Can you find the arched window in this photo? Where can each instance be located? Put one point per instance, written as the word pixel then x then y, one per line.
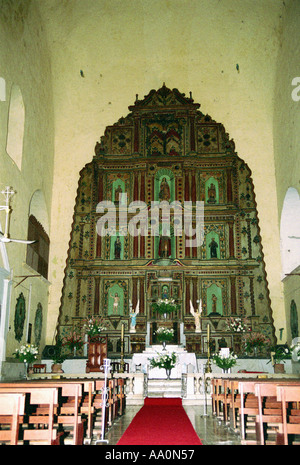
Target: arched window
pixel 38 226
pixel 290 231
pixel 16 122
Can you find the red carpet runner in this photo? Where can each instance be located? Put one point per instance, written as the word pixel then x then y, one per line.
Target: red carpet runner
pixel 161 421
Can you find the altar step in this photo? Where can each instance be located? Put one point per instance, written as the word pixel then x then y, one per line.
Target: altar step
pixel 164 388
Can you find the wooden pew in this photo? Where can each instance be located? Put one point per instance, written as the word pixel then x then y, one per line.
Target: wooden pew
pixel 12 407
pixel 112 400
pixel 287 394
pixel 68 389
pixel 121 396
pixel 30 431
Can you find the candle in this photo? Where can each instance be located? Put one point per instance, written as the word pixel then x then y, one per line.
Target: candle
pixel 208 328
pixel 122 332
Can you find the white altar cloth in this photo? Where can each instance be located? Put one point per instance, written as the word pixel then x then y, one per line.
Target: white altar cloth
pixel 186 362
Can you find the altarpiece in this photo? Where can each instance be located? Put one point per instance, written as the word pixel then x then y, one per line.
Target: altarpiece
pixel 166 150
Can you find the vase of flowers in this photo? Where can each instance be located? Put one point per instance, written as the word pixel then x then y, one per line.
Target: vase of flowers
pixel 164 335
pixel 164 306
pixel 27 354
pixel 167 362
pixel 225 361
pixel 73 341
pixel 255 342
pixel 238 325
pixel 93 327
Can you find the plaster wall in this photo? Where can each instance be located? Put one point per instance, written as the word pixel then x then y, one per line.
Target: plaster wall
pixel 24 62
pixel 286 123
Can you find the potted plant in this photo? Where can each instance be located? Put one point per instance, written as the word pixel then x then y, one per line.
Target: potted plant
pixel 27 354
pixel 279 354
pixel 164 361
pixel 224 360
pixel 58 357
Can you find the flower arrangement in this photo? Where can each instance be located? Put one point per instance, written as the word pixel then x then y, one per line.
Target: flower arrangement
pixel 93 326
pixel 238 325
pixel 279 354
pixel 27 353
pixel 255 340
pixel 164 334
pixel 73 340
pixel 164 306
pixel 224 360
pixel 164 361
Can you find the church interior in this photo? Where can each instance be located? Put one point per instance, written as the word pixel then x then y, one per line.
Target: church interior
pixel 154 193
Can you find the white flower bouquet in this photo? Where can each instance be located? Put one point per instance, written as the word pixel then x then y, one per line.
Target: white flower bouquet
pixel 164 334
pixel 27 353
pixel 238 325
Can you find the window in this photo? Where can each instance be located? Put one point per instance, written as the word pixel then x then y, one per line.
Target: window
pixel 38 253
pixel 16 124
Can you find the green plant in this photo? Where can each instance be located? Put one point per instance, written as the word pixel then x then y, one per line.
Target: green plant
pixel 224 361
pixel 164 361
pixel 279 354
pixel 58 352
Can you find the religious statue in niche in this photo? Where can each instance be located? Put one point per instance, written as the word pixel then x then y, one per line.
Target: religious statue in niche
pixel 211 194
pixel 164 192
pixel 117 248
pixel 213 248
pixel 165 292
pixel 118 192
pixel 164 248
pixel 116 303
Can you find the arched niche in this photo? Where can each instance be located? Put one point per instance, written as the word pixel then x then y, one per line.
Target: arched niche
pixel 115 292
pixel 214 300
pixel 38 209
pixel 212 245
pixel 164 184
pixel 290 232
pixel 16 124
pixel 117 248
pixel 212 191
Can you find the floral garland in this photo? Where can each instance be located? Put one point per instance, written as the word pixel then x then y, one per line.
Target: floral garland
pixel 164 306
pixel 93 326
pixel 164 361
pixel 164 334
pixel 224 361
pixel 238 325
pixel 27 353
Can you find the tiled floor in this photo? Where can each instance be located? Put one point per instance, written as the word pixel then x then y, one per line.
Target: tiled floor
pixel 210 430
